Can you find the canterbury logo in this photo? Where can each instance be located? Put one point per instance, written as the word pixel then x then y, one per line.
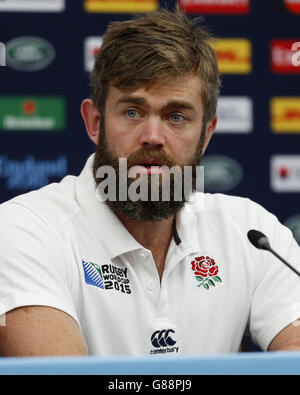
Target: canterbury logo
pixel 162 338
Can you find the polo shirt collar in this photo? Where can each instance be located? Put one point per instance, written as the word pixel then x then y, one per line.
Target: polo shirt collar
pixel 108 228
pixel 116 239
pixel 187 225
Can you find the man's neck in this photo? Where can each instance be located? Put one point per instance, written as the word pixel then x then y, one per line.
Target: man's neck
pixel 149 234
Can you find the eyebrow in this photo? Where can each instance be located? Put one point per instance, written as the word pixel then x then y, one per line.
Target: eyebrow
pixel 132 100
pixel 169 106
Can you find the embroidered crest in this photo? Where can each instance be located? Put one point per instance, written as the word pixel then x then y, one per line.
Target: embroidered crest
pixel 206 270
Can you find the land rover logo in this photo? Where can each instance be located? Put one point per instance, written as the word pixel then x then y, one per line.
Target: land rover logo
pixel 294 224
pixel 29 53
pixel 221 173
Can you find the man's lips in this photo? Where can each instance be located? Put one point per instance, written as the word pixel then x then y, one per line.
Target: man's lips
pixel 147 166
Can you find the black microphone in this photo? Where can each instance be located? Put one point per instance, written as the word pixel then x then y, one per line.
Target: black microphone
pixel 260 241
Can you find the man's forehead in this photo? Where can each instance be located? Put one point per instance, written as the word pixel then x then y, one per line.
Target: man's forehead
pixel 182 89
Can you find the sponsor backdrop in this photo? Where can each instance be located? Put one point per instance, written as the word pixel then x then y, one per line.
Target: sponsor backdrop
pixel 47 49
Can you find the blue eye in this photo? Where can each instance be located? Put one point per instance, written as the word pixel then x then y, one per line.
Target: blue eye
pixel 132 113
pixel 177 118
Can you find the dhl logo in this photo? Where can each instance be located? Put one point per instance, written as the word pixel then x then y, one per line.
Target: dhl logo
pixel 285 114
pixel 234 55
pixel 119 6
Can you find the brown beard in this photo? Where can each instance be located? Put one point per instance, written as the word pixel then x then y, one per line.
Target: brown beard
pixel 146 210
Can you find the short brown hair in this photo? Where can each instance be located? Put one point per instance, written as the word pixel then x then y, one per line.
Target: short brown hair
pixel 157 46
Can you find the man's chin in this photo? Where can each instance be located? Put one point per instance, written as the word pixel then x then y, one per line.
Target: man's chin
pixel 148 211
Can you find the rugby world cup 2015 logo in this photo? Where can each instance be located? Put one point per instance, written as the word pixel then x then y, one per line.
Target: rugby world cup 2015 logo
pixel 108 277
pixel 93 274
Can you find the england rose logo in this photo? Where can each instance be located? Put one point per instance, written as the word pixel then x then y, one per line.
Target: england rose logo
pixel 205 270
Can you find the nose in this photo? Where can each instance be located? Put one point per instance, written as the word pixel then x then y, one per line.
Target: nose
pixel 152 133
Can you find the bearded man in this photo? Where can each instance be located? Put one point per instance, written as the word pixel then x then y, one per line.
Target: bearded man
pixel 84 271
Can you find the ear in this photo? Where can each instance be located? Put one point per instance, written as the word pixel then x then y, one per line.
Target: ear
pixel 210 128
pixel 91 117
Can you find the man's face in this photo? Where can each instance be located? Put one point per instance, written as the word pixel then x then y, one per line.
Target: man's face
pixel 160 126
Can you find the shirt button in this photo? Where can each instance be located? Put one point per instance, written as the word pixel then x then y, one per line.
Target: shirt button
pixel 150 285
pixel 142 255
pixel 181 247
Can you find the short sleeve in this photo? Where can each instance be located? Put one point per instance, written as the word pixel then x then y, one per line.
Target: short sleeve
pixel 276 297
pixel 32 266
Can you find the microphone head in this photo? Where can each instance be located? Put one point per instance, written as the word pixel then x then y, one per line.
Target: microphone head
pixel 259 240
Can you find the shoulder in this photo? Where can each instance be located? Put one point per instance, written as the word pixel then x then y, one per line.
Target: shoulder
pixel 51 206
pixel 240 213
pixel 233 206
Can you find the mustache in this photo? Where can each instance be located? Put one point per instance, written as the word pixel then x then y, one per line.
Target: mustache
pixel 158 157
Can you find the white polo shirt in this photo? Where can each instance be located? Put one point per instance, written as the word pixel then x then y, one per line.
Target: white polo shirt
pixel 62 247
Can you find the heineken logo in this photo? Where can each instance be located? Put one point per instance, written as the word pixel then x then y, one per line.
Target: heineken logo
pixel 32 113
pixel 29 53
pixel 29 107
